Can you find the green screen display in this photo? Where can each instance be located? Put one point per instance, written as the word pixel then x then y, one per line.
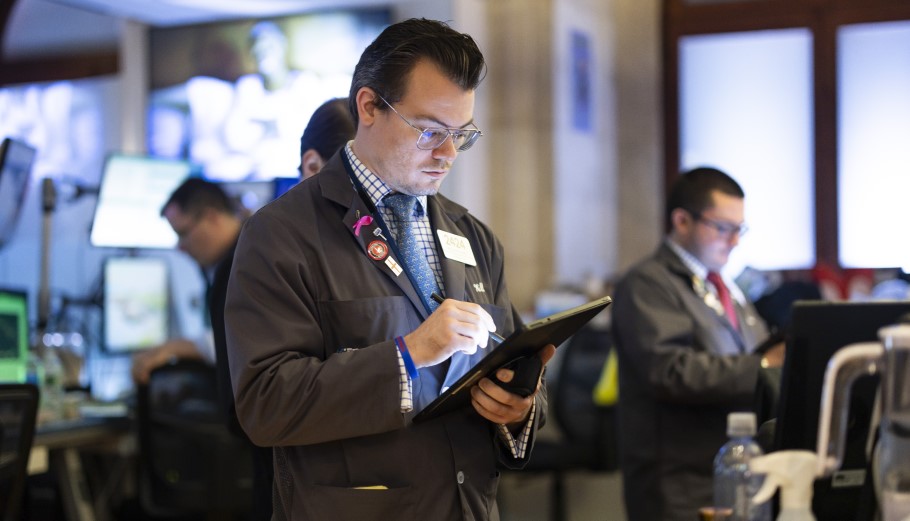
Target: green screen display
pixel 13 336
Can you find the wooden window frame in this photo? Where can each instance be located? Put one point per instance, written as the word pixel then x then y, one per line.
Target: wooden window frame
pixel 822 18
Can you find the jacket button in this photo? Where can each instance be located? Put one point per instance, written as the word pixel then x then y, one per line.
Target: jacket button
pixel 460 477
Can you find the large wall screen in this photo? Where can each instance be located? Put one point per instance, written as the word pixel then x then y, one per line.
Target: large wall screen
pixel 234 97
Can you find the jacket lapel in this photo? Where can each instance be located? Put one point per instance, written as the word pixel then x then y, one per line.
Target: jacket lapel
pixel 677 267
pixel 443 216
pixel 374 242
pixel 453 272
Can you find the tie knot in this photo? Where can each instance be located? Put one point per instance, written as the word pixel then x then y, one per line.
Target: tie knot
pixel 715 278
pixel 402 206
pixel 723 295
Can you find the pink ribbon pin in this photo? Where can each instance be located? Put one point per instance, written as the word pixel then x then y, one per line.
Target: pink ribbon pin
pixel 366 220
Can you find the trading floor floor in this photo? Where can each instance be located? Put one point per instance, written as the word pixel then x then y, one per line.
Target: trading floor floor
pixel 588 496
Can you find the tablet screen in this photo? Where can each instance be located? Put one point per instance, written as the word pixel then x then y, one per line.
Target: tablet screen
pixel 527 340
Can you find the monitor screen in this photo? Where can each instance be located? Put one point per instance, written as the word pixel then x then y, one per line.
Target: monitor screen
pixel 235 96
pixel 283 184
pixel 133 190
pixel 13 335
pixel 817 330
pixel 249 196
pixel 15 169
pixel 136 303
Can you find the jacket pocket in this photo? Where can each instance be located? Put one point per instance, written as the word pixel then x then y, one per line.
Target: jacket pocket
pixel 352 324
pixel 353 504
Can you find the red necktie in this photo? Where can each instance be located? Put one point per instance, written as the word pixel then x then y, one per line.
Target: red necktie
pixel 723 294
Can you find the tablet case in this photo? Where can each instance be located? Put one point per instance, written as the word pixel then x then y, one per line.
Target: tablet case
pixel 525 341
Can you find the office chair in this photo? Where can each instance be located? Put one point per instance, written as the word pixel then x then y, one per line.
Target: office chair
pixel 190 464
pixel 588 432
pixel 18 413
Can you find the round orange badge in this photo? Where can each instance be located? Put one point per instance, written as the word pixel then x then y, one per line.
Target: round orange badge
pixel 378 250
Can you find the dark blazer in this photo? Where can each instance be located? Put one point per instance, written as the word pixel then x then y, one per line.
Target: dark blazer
pixel 261 508
pixel 682 369
pixel 217 293
pixel 310 322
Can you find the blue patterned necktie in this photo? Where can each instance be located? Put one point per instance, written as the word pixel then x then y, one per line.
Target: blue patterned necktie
pixel 414 258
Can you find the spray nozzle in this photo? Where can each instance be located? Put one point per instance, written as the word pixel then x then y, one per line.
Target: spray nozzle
pixel 791 470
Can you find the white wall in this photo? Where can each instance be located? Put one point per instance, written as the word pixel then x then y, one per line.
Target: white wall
pixel 433 9
pixel 636 81
pixel 469 182
pixel 584 160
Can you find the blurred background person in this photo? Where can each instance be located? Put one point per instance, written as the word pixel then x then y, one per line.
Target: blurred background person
pixel 331 126
pixel 204 219
pixel 686 342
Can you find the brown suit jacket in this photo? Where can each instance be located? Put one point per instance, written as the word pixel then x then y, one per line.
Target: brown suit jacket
pixel 310 322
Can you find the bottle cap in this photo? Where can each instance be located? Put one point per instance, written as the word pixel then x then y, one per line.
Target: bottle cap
pixel 740 424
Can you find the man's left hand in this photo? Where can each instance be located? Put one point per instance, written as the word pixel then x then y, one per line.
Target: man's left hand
pixel 499 405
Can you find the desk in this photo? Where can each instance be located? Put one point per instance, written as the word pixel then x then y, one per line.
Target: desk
pixel 57 448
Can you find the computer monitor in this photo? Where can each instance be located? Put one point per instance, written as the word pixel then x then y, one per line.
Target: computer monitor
pixel 283 184
pixel 13 335
pixel 817 330
pixel 133 190
pixel 249 196
pixel 136 303
pixel 16 159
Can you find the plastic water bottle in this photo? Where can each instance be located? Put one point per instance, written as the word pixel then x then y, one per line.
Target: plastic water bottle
pixel 734 483
pixel 52 392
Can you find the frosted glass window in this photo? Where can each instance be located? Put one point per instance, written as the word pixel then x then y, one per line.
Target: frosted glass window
pixel 874 144
pixel 746 108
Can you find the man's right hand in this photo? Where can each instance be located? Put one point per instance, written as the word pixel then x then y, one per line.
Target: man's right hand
pixel 774 357
pixel 144 362
pixel 454 326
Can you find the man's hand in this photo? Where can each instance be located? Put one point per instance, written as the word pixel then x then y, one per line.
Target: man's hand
pixel 144 362
pixel 500 406
pixel 454 326
pixel 774 357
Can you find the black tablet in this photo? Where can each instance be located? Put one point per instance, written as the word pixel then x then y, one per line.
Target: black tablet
pixel 526 340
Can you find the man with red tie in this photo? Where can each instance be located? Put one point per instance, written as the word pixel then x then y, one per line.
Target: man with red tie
pixel 685 340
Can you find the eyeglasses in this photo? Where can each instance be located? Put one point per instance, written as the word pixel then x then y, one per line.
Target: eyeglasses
pixel 185 231
pixel 433 137
pixel 725 229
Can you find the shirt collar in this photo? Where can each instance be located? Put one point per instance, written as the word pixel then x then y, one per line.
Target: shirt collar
pixel 375 187
pixel 694 265
pixel 699 270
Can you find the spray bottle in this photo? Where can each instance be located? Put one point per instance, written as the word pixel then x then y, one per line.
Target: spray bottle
pixel 794 472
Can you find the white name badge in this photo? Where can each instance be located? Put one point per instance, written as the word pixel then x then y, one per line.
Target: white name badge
pixel 393 265
pixel 456 247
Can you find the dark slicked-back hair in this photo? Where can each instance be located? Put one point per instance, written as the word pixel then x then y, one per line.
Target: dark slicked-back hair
pixel 692 191
pixel 330 127
pixel 386 63
pixel 196 195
